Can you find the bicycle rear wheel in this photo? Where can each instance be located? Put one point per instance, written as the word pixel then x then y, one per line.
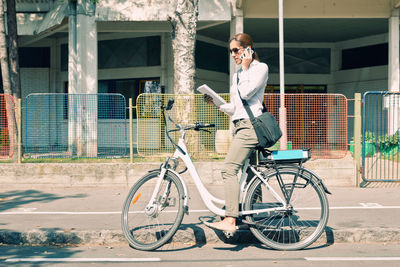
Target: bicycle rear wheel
pixel 147 226
pixel 297 226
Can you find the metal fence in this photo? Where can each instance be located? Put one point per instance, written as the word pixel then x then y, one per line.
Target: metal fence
pixel 7 126
pixel 74 126
pixel 95 126
pixel 381 136
pixel 151 138
pixel 317 121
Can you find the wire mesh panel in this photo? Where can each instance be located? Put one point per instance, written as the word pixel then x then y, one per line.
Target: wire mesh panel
pixel 75 125
pixel 7 126
pixel 381 136
pixel 316 121
pixel 151 137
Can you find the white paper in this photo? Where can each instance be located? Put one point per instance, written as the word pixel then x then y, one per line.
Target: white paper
pixel 204 89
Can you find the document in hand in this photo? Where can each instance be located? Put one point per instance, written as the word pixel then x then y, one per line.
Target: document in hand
pixel 204 89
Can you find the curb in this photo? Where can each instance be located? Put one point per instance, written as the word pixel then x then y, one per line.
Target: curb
pixel 192 234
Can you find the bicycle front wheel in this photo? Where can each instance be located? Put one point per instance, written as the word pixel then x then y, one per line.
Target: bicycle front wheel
pixel 300 223
pixel 149 225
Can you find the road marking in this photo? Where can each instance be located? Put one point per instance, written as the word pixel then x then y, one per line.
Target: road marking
pixel 78 212
pixel 352 258
pixel 370 205
pixel 364 207
pixel 83 260
pixel 190 211
pixel 60 213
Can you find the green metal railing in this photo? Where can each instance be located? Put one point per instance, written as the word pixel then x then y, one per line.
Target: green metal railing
pixel 381 136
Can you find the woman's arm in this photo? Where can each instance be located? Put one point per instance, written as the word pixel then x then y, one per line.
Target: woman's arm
pixel 227 108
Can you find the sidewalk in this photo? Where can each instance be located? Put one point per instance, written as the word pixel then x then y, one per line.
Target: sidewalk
pixel 91 215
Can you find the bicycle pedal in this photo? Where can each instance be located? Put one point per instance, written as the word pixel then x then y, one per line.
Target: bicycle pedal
pixel 228 234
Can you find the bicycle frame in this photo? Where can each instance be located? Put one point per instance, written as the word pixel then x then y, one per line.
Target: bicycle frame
pixel 208 199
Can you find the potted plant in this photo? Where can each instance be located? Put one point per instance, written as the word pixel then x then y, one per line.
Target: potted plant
pixel 370 144
pixel 389 144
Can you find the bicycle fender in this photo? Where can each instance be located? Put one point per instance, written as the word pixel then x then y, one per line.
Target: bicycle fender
pixel 318 180
pixel 309 173
pixel 185 190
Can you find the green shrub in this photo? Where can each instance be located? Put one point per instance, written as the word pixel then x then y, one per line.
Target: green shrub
pixel 386 141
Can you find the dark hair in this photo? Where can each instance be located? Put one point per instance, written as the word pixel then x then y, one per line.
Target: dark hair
pixel 245 40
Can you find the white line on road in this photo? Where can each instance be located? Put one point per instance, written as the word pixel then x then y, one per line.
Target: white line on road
pixel 364 207
pixel 352 258
pixel 60 213
pixel 190 211
pixel 83 260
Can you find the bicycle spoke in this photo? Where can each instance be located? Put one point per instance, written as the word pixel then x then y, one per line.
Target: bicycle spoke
pixel 147 225
pixel 296 226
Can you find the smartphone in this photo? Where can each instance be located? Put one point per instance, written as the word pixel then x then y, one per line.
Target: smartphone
pixel 249 50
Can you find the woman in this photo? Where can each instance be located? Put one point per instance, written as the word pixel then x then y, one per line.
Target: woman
pixel 250 80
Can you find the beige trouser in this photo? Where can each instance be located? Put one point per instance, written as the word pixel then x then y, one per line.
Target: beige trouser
pixel 243 142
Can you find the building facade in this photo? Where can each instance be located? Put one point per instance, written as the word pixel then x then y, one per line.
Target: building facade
pixel 331 46
pixel 119 46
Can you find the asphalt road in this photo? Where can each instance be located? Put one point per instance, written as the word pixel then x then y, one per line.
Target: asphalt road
pixel 208 255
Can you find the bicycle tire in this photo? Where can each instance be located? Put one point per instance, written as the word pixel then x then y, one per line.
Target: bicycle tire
pixel 149 229
pixel 292 229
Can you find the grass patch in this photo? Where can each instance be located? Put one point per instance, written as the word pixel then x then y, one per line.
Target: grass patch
pixel 86 160
pixel 136 159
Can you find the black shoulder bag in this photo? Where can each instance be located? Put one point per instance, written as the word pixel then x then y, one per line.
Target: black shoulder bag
pixel 265 125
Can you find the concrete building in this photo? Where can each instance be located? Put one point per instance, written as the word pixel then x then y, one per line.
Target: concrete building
pixel 338 46
pixel 119 46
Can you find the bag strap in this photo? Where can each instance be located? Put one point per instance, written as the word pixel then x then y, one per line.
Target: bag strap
pixel 244 102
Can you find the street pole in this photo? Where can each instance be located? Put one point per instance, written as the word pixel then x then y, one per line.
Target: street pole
pixel 282 109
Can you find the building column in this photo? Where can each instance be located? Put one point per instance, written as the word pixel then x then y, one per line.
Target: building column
pixel 82 79
pixel 236 27
pixel 86 54
pixel 87 84
pixel 393 75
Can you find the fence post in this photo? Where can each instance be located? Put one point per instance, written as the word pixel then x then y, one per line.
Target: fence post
pixel 130 131
pixel 357 136
pixel 19 122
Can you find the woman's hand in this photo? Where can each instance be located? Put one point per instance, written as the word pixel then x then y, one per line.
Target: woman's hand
pixel 209 100
pixel 247 59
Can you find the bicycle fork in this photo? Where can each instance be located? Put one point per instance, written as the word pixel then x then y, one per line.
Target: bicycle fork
pixel 157 204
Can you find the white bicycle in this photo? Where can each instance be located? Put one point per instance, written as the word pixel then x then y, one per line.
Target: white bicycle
pixel 284 204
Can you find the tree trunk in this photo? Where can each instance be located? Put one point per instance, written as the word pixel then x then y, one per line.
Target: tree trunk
pixel 184 24
pixel 13 62
pixel 13 49
pixel 183 44
pixel 7 85
pixel 4 53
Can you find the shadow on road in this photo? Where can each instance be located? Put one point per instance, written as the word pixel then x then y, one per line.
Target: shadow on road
pixel 17 198
pixel 28 252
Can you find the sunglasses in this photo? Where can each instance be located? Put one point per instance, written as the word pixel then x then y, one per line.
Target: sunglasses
pixel 234 50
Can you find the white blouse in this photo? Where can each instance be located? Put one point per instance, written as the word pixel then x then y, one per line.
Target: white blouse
pixel 251 85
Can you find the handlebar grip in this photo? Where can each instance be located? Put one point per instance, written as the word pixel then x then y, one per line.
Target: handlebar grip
pixel 209 125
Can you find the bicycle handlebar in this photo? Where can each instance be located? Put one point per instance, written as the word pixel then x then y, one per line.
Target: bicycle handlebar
pixel 198 126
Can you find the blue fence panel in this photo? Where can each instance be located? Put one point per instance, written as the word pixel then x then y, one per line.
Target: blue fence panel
pixel 75 126
pixel 381 136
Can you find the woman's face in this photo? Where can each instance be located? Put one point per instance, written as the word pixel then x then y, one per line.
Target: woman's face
pixel 236 50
